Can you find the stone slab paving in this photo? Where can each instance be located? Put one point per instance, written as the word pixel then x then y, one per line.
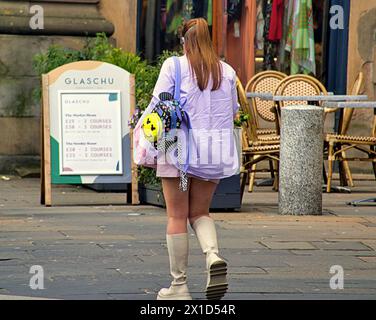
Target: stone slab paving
pixel 98 251
pixel 370 243
pixel 288 245
pixel 12 298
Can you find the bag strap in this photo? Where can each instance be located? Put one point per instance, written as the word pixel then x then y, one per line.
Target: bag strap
pixel 177 98
pixel 177 78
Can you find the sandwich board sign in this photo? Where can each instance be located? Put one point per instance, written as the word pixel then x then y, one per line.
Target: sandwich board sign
pixel 86 139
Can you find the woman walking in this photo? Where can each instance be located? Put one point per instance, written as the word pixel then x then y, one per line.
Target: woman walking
pixel 208 86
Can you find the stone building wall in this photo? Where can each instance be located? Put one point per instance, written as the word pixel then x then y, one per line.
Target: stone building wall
pixel 67 23
pixel 362 57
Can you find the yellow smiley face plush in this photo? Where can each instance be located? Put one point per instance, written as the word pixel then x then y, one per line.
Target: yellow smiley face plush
pixel 152 126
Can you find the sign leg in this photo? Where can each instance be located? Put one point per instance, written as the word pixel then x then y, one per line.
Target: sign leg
pixel 46 165
pixel 134 189
pixel 42 190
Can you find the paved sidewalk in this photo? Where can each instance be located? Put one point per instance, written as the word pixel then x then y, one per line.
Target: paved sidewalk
pixel 94 251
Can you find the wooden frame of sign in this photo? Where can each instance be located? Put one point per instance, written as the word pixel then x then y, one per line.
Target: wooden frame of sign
pixel 69 93
pixel 134 187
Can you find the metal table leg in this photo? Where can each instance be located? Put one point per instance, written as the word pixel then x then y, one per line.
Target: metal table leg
pixel 337 189
pixel 364 202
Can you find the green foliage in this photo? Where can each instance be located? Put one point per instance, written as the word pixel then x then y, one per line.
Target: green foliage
pixel 55 57
pixel 242 117
pixel 148 176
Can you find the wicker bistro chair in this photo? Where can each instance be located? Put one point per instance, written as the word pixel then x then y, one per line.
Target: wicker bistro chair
pixel 357 89
pixel 254 148
pixel 257 138
pixel 295 85
pixel 340 143
pixel 264 82
pixel 299 85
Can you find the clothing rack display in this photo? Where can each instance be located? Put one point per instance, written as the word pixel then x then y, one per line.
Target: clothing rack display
pixel 161 21
pixel 251 35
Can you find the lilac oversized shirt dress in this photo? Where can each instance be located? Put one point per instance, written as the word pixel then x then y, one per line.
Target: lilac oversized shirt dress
pixel 212 148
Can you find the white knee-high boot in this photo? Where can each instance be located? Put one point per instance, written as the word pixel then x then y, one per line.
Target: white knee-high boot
pixel 216 285
pixel 177 245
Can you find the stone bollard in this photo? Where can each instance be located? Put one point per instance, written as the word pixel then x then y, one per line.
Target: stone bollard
pixel 301 160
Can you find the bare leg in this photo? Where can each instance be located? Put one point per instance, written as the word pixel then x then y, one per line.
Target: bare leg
pixel 200 197
pixel 177 206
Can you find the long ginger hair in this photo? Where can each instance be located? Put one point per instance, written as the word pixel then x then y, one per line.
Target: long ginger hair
pixel 203 60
